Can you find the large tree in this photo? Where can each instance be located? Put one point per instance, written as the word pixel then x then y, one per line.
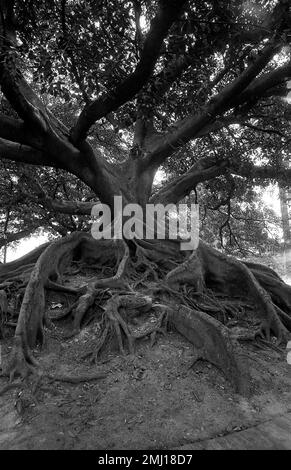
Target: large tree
pixel 111 92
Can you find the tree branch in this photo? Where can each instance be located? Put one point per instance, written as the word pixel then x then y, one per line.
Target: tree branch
pixel 70 207
pixel 15 88
pixel 16 131
pixel 262 172
pixel 266 130
pixel 23 154
pixel 230 96
pixel 41 197
pixel 210 167
pixel 168 12
pixel 266 83
pixel 203 170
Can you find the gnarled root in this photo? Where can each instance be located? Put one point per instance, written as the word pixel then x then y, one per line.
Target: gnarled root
pixel 209 268
pixel 114 326
pixel 212 342
pixel 82 306
pixel 143 261
pixel 189 272
pixel 20 362
pixel 118 310
pixel 196 284
pixel 225 274
pixel 87 300
pixel 30 323
pixel 76 379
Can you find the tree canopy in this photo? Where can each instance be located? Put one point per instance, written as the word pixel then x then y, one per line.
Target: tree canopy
pixel 112 91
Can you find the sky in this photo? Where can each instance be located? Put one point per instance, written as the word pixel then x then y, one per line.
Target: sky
pixel 25 246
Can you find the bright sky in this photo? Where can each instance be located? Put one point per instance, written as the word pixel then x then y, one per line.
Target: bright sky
pixel 25 246
pixel 271 198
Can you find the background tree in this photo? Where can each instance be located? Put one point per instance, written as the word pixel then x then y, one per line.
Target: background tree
pixel 199 87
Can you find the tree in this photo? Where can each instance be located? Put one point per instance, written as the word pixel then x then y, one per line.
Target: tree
pixel 197 85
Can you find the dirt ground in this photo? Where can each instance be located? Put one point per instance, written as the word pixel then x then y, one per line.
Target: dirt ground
pixel 152 400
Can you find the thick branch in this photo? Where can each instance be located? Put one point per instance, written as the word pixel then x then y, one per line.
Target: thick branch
pixel 265 85
pixel 55 205
pixel 203 170
pixel 59 152
pixel 71 207
pixel 17 91
pixel 85 165
pixel 16 131
pixel 20 95
pixel 125 91
pixel 209 168
pixel 23 154
pixel 193 125
pixel 262 172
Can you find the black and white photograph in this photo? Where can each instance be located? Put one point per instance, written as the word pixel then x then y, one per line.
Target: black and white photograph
pixel 145 228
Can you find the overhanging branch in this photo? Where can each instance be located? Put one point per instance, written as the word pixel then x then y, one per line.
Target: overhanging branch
pixel 266 84
pixel 210 167
pixel 205 169
pixel 16 131
pixel 192 126
pixel 262 172
pixel 23 154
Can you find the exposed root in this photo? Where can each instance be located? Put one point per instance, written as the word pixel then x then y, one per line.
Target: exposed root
pixel 9 387
pixel 60 288
pixel 72 379
pixel 206 287
pixel 285 318
pixel 228 275
pixel 269 344
pixel 25 263
pixel 212 342
pixel 149 267
pixel 160 326
pixel 31 318
pixel 20 362
pixel 115 324
pixel 120 327
pixel 118 280
pixel 82 306
pixel 100 343
pixel 76 379
pixel 189 272
pixel 87 300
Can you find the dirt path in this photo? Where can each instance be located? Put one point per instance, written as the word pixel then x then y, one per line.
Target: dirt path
pixel 274 434
pixel 152 400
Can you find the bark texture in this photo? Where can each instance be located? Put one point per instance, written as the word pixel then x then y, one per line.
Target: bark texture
pixel 198 293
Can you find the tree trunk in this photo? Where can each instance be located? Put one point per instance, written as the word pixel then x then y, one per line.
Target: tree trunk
pixel 150 274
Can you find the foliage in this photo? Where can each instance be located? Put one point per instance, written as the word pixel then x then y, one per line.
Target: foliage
pixel 72 52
